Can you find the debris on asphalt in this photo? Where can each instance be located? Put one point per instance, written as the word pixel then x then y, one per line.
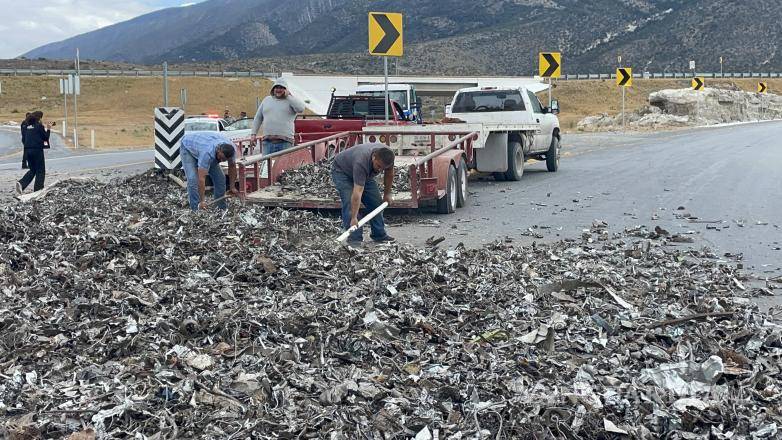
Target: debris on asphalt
pixel 123 315
pixel 315 180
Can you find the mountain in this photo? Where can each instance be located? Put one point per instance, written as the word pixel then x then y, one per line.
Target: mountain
pixel 449 36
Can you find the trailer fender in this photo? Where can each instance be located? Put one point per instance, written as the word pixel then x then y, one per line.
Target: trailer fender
pixel 440 166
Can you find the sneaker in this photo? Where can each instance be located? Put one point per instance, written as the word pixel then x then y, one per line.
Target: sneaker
pixel 386 239
pixel 19 189
pixel 355 243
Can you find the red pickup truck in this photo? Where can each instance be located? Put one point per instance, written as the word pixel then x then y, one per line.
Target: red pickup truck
pixel 348 113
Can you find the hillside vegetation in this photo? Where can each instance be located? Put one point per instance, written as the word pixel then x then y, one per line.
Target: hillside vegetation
pixel 449 36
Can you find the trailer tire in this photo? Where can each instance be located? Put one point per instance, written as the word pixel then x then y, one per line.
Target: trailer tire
pixel 461 184
pixel 515 161
pixel 447 204
pixel 552 156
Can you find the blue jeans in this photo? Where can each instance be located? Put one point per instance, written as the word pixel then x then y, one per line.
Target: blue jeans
pixel 270 147
pixel 190 166
pixel 370 198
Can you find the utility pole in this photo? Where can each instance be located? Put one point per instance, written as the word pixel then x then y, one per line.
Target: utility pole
pixel 76 91
pixel 165 84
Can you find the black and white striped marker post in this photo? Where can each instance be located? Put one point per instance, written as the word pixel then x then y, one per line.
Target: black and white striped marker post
pixel 169 129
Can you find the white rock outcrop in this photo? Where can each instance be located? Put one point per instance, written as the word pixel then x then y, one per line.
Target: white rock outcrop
pixel 683 107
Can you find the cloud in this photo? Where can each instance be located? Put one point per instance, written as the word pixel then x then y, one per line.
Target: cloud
pixel 31 26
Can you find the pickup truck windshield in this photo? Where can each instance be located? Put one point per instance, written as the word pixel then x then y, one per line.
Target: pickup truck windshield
pixel 488 101
pixel 201 126
pixel 398 96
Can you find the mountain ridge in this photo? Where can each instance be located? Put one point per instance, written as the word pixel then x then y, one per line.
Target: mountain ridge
pixel 481 37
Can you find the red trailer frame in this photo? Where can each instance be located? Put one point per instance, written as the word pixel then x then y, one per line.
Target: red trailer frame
pixel 428 173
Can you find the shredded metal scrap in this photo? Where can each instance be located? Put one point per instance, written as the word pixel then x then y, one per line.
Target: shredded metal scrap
pixel 124 316
pixel 315 180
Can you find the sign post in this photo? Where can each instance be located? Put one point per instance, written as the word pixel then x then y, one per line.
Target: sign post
pixel 762 90
pixel 550 66
pixel 698 84
pixel 76 93
pixel 165 84
pixel 74 88
pixel 64 90
pixel 385 40
pixel 624 79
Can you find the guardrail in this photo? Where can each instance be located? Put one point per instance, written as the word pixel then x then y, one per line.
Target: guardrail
pixel 672 75
pixel 137 73
pixel 253 74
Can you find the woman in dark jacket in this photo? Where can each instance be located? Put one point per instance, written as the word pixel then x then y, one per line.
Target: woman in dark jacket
pixel 25 123
pixel 36 138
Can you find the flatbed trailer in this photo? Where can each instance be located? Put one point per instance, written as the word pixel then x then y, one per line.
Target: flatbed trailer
pixel 438 158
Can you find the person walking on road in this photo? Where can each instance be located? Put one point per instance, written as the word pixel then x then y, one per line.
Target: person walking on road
pixel 202 152
pixel 353 172
pixel 276 116
pixel 35 139
pixel 24 154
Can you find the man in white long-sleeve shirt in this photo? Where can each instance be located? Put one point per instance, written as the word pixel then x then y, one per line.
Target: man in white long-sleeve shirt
pixel 275 118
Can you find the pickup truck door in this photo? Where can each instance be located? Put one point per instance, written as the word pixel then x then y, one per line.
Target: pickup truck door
pixel 543 138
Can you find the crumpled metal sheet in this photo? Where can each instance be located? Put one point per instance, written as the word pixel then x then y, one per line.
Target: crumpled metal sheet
pixel 122 315
pixel 315 180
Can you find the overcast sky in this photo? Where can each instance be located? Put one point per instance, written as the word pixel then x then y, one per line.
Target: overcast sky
pixel 27 25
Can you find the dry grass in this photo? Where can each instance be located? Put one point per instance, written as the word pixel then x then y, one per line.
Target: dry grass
pixel 120 109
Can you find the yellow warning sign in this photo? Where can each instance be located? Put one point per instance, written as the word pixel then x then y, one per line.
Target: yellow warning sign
pixel 385 34
pixel 550 64
pixel 624 77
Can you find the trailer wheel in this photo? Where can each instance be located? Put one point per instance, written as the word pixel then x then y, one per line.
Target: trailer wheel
pixel 515 161
pixel 447 204
pixel 552 156
pixel 461 181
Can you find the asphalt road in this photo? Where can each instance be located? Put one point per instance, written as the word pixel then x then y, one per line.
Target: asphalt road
pixel 730 176
pixel 62 161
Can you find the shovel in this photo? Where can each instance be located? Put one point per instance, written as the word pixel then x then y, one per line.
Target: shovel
pixel 342 238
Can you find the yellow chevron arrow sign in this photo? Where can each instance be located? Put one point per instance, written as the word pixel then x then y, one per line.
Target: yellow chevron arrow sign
pixel 698 83
pixel 550 64
pixel 385 34
pixel 624 77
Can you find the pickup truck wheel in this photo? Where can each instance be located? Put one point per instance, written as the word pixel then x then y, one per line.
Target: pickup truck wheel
pixel 515 161
pixel 447 204
pixel 552 156
pixel 461 181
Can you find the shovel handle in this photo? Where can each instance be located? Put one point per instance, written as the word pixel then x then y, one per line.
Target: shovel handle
pixel 362 222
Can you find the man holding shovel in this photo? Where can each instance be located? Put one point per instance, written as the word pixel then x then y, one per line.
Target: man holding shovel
pixel 353 173
pixel 202 152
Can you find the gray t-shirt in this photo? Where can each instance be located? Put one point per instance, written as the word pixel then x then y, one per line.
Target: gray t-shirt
pixel 356 162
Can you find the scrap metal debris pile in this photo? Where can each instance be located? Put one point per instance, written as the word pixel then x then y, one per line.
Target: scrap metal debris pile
pixel 315 180
pixel 123 315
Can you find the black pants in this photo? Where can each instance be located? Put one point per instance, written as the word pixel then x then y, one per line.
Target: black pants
pixel 37 170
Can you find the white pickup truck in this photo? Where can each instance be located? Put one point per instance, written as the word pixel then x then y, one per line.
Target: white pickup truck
pixel 511 124
pixel 494 107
